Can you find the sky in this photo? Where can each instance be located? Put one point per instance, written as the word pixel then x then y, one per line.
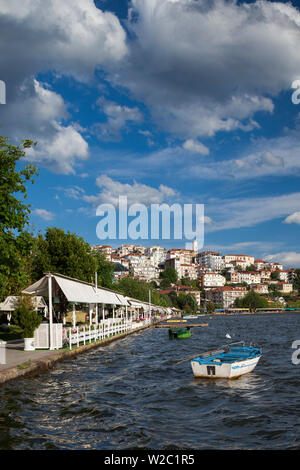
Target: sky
pixel 162 101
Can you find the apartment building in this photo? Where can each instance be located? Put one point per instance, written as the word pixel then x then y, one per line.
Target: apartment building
pixel 211 280
pixel 212 260
pixel 291 275
pixel 189 271
pixel 265 275
pixel 250 277
pixel 183 255
pixel 239 263
pixel 284 287
pixel 284 276
pixel 248 259
pixel 261 264
pixel 157 254
pixel 225 296
pixel 276 267
pixel 105 250
pixel 260 288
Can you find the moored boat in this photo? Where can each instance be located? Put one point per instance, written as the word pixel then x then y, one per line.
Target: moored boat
pixel 176 321
pixel 230 362
pixel 179 333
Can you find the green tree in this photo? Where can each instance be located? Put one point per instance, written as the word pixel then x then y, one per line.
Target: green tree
pixel 252 300
pixel 191 301
pixel 25 316
pixel 140 290
pixel 297 281
pixel 105 271
pixel 170 275
pixel 275 275
pixel 210 307
pixel 15 239
pixel 64 253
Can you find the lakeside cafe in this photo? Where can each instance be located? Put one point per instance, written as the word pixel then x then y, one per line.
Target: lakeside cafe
pixel 55 286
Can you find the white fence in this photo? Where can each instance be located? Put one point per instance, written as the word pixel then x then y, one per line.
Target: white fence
pixel 87 334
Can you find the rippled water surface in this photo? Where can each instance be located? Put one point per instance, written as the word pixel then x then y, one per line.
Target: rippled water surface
pixel 133 395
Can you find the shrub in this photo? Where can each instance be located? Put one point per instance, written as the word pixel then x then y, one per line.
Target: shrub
pixel 28 320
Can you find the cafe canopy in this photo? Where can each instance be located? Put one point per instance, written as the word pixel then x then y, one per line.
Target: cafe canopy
pixel 75 291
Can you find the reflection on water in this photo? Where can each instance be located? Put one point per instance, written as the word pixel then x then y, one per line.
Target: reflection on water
pixel 133 395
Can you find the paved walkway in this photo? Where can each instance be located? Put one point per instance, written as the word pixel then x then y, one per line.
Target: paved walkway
pixel 15 354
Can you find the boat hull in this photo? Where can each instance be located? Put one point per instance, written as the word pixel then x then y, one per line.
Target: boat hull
pixel 224 370
pixel 179 333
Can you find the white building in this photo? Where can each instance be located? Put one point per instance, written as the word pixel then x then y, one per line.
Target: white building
pixel 211 280
pixel 261 264
pixel 157 254
pixel 261 288
pixel 250 277
pixel 212 259
pixel 189 271
pixel 225 296
pixel 284 287
pixel 248 259
pixel 284 276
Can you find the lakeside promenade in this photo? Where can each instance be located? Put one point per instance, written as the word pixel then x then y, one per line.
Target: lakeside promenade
pixel 20 363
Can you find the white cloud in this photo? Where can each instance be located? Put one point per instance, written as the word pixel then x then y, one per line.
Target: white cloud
pixel 64 37
pixel 293 218
pixel 136 193
pixel 269 159
pixel 118 119
pixel 247 212
pixel 195 146
pixel 59 151
pixel 197 82
pixel 71 37
pixel 44 214
pixel 289 259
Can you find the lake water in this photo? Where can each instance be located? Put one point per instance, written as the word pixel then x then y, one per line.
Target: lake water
pixel 133 395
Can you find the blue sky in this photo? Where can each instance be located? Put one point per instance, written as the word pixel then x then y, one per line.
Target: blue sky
pixel 165 101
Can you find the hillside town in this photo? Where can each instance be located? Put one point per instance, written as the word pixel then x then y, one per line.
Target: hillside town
pixel 208 275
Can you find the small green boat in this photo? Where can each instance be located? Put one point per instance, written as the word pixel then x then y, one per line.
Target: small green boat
pixel 179 333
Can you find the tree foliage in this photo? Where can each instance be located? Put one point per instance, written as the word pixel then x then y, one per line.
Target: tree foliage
pixel 297 281
pixel 25 317
pixel 15 240
pixel 64 253
pixel 252 300
pixel 140 290
pixel 169 276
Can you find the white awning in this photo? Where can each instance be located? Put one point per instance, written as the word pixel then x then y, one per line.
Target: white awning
pixel 77 291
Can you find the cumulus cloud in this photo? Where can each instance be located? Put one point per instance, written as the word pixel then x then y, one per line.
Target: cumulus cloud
pixel 293 218
pixel 289 259
pixel 136 193
pixel 197 82
pixel 195 146
pixel 44 214
pixel 68 38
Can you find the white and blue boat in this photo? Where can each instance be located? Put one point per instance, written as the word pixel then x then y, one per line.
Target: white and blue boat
pixel 228 362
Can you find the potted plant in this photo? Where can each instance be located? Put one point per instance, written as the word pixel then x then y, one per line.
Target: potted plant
pixel 28 320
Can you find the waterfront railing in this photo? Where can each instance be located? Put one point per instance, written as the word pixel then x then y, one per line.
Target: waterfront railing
pixel 82 335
